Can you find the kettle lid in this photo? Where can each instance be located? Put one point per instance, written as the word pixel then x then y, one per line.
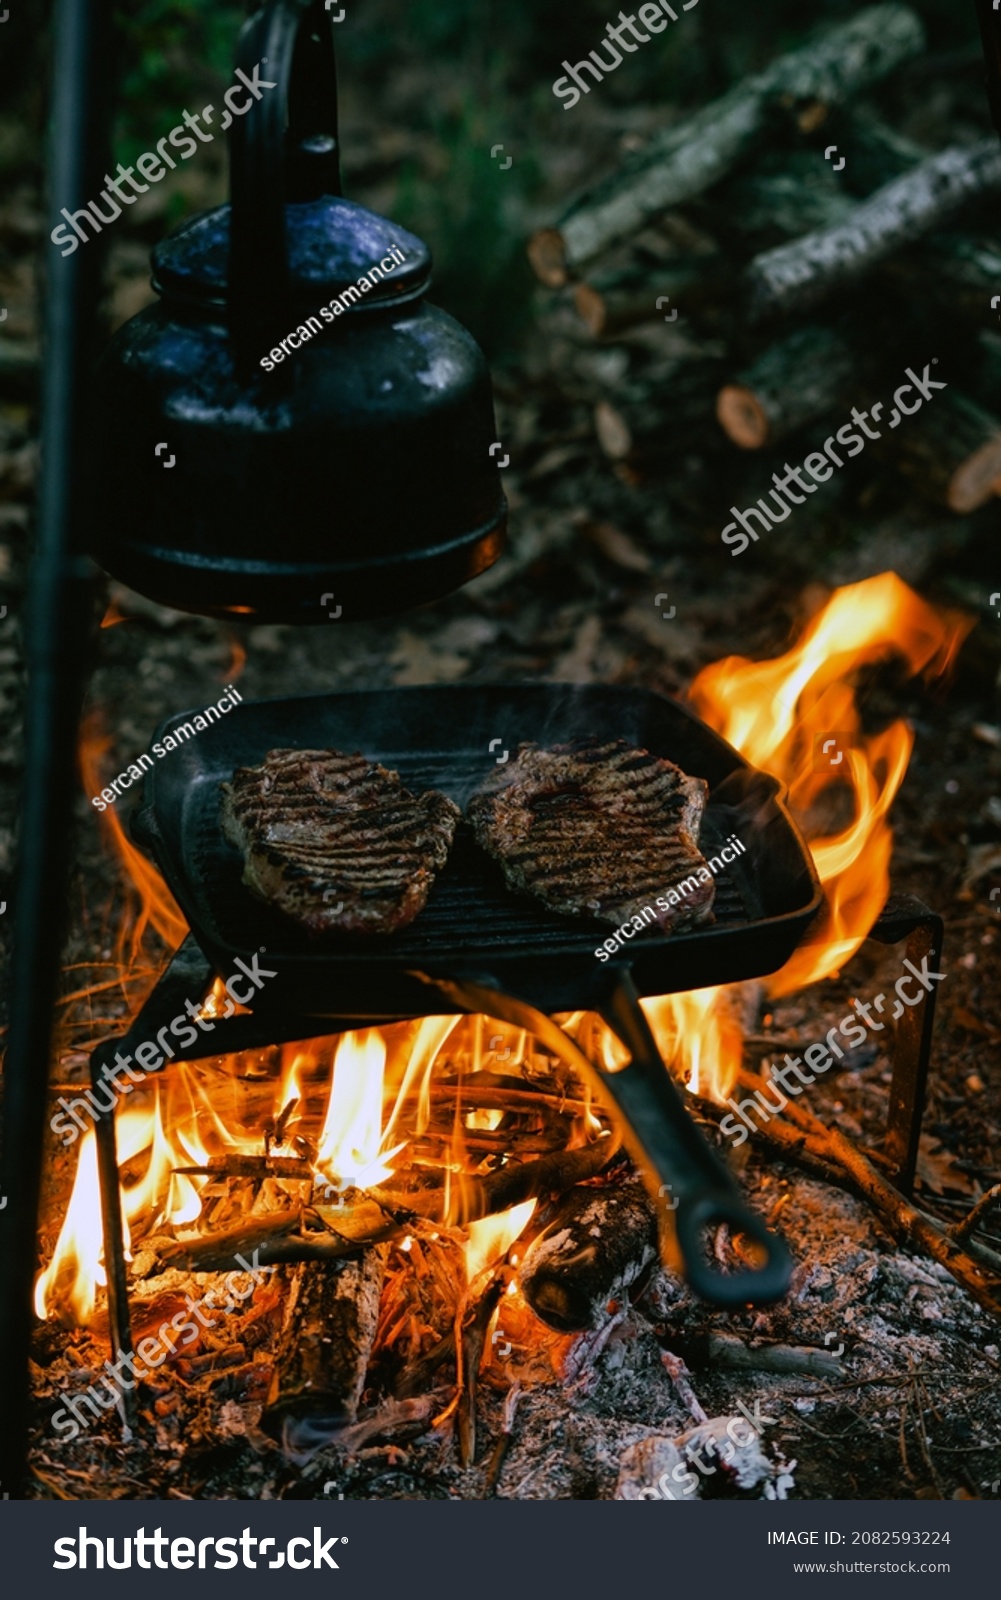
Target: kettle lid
pixel 331 244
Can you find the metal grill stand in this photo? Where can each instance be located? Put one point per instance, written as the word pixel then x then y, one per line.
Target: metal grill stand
pixel 903 918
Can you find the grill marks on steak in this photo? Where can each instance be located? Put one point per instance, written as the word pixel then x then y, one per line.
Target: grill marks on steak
pixel 314 821
pixel 597 827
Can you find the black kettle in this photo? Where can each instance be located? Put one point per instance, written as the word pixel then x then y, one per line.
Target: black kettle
pixel 292 432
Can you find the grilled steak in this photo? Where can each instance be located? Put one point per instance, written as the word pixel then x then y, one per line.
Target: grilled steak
pixel 335 841
pixel 599 827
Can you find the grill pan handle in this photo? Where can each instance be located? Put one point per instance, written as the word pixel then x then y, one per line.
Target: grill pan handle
pixel 667 1141
pixel 660 1135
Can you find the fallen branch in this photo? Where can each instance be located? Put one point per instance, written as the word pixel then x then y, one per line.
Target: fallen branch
pixel 791 1144
pixel 962 1229
pixel 725 1350
pixel 902 1218
pixel 469 1347
pixel 504 1441
pixel 621 299
pixel 686 159
pixel 828 1153
pixel 819 264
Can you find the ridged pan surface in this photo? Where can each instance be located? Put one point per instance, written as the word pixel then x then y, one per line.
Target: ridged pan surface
pixel 473 924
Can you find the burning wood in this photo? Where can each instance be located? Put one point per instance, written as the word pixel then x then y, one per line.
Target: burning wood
pixel 469 1345
pixel 595 1246
pixel 330 1320
pixel 398 1141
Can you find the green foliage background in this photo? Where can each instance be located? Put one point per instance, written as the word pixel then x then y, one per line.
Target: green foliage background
pixel 456 77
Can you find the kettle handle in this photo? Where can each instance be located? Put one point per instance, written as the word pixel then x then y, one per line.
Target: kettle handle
pixel 272 163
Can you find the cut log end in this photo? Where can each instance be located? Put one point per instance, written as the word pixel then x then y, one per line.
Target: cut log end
pixel 591 309
pixel 560 1307
pixel 547 254
pixel 598 1243
pixel 979 477
pixel 742 417
pixel 953 451
pixel 614 434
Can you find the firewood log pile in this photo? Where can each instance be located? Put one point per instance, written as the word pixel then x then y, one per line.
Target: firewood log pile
pixel 772 265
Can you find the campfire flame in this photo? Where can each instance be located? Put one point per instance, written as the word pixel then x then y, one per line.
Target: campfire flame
pixel 492 1237
pixel 779 714
pixel 378 1082
pixel 156 907
pixel 350 1152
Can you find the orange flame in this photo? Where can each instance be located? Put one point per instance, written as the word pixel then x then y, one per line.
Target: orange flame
pixel 778 714
pixel 156 904
pixel 350 1150
pixel 491 1238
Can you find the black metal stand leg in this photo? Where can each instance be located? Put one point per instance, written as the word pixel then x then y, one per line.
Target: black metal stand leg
pixel 905 917
pixel 911 1062
pixel 114 1240
pixel 56 650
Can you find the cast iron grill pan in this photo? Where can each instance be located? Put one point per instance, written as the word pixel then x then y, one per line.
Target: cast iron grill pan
pixel 477 945
pixel 473 923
